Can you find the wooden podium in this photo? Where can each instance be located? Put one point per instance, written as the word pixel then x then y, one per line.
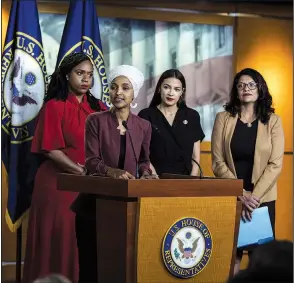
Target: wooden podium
pixel 134 216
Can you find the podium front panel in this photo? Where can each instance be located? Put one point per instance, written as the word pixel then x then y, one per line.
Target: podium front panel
pixel 165 257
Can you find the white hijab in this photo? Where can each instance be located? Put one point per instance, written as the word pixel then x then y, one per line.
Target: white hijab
pixel 134 75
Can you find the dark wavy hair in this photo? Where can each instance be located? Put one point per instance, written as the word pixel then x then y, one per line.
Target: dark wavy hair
pixel 172 73
pixel 263 106
pixel 58 86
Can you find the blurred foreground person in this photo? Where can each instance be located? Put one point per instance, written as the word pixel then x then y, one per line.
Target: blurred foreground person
pixel 271 262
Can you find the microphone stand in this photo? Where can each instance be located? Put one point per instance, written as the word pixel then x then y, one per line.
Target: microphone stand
pixel 174 138
pixel 124 123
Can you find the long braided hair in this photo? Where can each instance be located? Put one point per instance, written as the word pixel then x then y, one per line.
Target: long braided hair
pixel 58 86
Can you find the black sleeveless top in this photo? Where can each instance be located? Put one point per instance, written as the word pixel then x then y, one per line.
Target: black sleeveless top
pixel 165 155
pixel 122 153
pixel 243 148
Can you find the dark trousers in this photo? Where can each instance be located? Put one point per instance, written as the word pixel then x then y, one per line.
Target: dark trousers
pixel 87 248
pixel 272 215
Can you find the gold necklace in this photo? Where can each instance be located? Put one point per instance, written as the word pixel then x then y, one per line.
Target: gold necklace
pixel 249 124
pixel 168 114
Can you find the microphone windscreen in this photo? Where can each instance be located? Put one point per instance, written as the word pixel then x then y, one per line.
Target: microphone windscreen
pixel 124 123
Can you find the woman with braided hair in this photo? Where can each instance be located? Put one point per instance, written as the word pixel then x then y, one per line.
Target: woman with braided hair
pixel 59 138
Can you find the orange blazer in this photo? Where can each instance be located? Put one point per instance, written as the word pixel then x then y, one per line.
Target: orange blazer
pixel 268 156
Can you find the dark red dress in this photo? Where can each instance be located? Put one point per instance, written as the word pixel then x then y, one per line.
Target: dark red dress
pixel 51 242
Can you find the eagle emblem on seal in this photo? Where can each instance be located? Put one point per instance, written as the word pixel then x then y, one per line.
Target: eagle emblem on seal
pixel 19 97
pixel 187 252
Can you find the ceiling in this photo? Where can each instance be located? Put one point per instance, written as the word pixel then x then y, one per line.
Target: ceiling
pixel 268 8
pixel 282 9
pixel 231 1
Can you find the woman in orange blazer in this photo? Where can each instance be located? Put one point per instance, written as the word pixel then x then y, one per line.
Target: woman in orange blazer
pixel 248 143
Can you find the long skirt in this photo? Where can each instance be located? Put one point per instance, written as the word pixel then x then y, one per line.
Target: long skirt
pixel 51 241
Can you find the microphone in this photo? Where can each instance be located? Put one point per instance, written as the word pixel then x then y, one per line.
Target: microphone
pixel 186 155
pixel 124 123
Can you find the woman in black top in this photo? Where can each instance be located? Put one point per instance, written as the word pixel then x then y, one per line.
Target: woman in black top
pixel 243 144
pixel 248 143
pixel 176 129
pixel 243 148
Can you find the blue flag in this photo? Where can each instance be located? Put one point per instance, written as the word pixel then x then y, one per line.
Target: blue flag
pixel 81 34
pixel 24 82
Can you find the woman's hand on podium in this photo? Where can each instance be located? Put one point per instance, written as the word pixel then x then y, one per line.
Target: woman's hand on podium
pixel 83 170
pixel 119 174
pixel 147 176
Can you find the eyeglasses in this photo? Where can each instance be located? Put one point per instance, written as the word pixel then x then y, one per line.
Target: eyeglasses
pixel 251 86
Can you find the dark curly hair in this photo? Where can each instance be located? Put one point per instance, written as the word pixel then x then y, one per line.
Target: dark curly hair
pixel 58 86
pixel 172 73
pixel 263 106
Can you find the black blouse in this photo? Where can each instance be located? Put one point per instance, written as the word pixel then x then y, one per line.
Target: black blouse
pixel 122 153
pixel 166 141
pixel 243 148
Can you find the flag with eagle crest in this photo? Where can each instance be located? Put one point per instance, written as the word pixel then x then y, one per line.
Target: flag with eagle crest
pixel 23 80
pixel 82 34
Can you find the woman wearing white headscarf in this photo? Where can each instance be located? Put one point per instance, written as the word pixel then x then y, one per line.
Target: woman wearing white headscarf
pixel 110 151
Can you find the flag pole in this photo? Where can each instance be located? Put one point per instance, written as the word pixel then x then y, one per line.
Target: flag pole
pixel 18 254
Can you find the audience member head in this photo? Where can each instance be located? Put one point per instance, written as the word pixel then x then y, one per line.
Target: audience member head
pixel 276 256
pixel 170 89
pixel 271 262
